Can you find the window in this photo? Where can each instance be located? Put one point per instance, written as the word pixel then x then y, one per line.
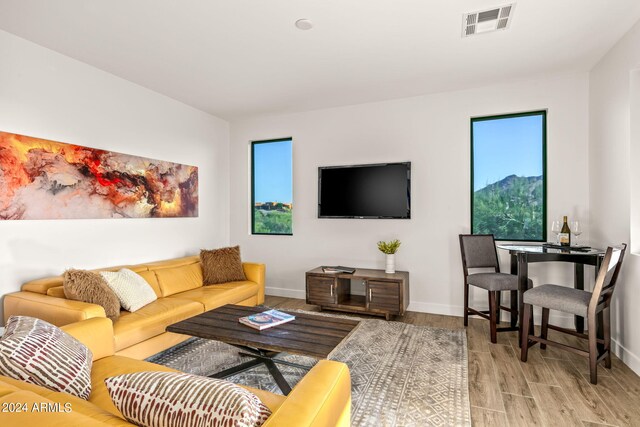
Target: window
pixel 508 176
pixel 271 187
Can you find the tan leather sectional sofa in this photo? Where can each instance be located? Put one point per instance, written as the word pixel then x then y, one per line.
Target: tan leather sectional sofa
pixel 321 399
pixel 178 284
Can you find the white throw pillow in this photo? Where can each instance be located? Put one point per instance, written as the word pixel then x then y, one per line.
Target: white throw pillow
pixel 132 290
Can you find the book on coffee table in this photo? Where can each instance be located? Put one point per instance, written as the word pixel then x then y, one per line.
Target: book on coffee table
pixel 338 269
pixel 266 319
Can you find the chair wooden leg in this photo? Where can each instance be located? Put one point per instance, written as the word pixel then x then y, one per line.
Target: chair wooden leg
pixel 498 303
pixel 524 344
pixel 606 330
pixel 492 316
pixel 593 349
pixel 514 308
pixel 466 304
pixel 544 328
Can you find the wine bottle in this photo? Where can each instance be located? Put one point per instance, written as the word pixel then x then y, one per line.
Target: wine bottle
pixel 565 233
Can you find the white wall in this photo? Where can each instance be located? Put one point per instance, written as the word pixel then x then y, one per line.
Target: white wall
pixel 47 95
pixel 611 170
pixel 433 133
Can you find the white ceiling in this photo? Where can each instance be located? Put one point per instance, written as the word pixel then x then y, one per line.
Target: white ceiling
pixel 237 58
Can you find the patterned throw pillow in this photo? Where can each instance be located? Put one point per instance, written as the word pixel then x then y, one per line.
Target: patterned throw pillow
pixel 37 352
pixel 131 289
pixel 221 265
pixel 87 286
pixel 170 399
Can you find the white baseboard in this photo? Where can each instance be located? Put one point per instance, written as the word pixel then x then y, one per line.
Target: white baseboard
pixel 426 307
pixel 567 321
pixel 629 358
pixel 458 310
pixel 284 292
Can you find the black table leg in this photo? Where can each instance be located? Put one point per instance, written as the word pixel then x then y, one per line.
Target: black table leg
pixel 514 308
pixel 277 375
pixel 514 294
pixel 237 369
pixel 268 358
pixel 578 283
pixel 272 356
pixel 523 276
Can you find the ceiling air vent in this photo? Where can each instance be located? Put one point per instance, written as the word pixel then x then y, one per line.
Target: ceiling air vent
pixel 484 21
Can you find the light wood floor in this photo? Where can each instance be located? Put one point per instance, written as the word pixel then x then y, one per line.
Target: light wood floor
pixel 551 389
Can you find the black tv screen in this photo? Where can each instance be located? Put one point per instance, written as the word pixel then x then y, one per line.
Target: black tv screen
pixel 365 191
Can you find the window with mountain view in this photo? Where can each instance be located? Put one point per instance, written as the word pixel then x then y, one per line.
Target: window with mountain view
pixel 271 187
pixel 508 176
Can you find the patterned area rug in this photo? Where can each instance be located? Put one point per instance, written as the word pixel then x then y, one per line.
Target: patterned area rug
pixel 401 374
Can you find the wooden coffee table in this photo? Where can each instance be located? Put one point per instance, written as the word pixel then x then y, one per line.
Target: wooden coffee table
pixel 307 335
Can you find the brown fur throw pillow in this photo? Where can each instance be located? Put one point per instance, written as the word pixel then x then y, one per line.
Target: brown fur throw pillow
pixel 86 286
pixel 221 265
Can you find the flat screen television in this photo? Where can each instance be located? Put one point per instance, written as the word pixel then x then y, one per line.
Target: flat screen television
pixel 365 191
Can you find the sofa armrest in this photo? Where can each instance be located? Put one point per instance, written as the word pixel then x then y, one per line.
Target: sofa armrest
pixel 255 273
pixel 95 333
pixel 321 398
pixel 54 310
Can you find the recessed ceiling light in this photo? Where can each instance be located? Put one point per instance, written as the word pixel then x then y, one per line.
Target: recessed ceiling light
pixel 497 18
pixel 304 24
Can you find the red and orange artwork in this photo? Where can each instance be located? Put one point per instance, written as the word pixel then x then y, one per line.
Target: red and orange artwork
pixel 41 179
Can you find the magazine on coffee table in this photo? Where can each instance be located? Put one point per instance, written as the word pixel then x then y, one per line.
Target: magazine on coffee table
pixel 338 269
pixel 266 319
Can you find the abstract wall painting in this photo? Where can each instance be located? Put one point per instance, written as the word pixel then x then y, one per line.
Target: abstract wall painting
pixel 42 179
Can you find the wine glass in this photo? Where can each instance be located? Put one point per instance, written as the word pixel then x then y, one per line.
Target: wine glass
pixel 576 230
pixel 555 229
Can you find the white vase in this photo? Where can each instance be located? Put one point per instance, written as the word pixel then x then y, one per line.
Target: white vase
pixel 391 263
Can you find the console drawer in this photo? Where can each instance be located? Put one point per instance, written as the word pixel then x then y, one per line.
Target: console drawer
pixel 384 296
pixel 321 290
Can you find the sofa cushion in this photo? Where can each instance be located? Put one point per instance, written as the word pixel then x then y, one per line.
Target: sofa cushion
pixel 173 280
pixel 176 399
pixel 38 352
pixel 173 262
pixel 96 333
pixel 112 366
pixel 6 387
pixel 152 280
pixel 118 365
pixel 219 295
pixel 35 410
pixel 132 290
pixel 78 406
pixel 87 286
pixel 41 286
pixel 57 292
pixel 222 265
pixel 151 320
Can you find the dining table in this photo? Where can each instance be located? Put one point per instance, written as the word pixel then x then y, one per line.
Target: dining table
pixel 524 254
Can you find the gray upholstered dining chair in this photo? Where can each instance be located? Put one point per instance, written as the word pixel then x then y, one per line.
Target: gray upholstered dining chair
pixel 479 252
pixel 580 303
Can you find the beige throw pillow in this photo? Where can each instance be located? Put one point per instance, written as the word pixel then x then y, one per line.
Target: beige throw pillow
pixel 37 352
pixel 171 399
pixel 132 290
pixel 87 286
pixel 221 265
